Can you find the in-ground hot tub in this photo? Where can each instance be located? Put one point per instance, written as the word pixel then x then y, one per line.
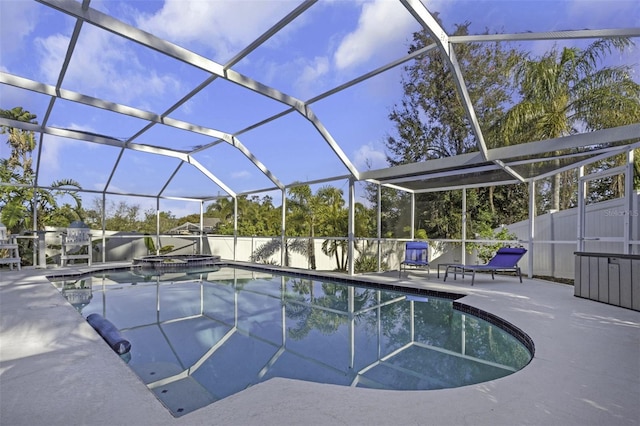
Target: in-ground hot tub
pixel 176 261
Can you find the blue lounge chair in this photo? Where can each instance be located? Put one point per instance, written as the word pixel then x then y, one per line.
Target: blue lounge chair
pixel 416 255
pixel 505 259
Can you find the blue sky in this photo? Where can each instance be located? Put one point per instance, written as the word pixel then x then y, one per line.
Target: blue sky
pixel 330 44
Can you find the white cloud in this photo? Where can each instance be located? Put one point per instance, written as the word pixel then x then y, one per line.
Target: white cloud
pixel 243 174
pixel 52 50
pixel 310 75
pixel 117 189
pixel 303 74
pixel 222 25
pixel 81 127
pixel 604 14
pixel 368 158
pixel 98 186
pixel 103 65
pixel 54 146
pixel 382 23
pixel 17 20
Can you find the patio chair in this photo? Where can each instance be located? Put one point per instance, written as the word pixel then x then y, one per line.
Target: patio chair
pixel 76 243
pixel 506 259
pixel 416 255
pixel 9 253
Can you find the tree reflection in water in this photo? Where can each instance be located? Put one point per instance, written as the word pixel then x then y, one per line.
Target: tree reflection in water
pixel 216 333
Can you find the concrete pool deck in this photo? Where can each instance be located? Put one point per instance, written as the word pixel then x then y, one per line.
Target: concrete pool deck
pixel 55 370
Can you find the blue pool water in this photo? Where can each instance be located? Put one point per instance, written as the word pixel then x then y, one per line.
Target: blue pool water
pixel 197 337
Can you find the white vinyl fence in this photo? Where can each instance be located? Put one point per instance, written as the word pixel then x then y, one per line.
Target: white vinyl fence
pixel 555 235
pixel 554 245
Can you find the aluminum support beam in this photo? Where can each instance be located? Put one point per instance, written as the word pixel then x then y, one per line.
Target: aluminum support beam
pixel 235 228
pixel 351 226
pixel 143 115
pixel 532 225
pixel 166 184
pixel 550 35
pixel 582 189
pixel 211 176
pixel 308 113
pixel 538 148
pixel 413 216
pixel 134 34
pixel 283 228
pixel 463 256
pixel 379 224
pixel 202 234
pixel 424 17
pixel 628 202
pixel 157 226
pixel 111 24
pixel 104 227
pixel 532 149
pixel 463 92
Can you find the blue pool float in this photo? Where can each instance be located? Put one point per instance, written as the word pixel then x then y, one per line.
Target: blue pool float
pixel 109 333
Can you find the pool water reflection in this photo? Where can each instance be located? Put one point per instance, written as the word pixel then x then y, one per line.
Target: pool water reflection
pixel 201 336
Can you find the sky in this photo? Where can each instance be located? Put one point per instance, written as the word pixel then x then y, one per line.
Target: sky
pixel 333 42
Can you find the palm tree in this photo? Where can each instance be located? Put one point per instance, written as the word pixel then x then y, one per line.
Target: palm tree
pixel 47 203
pixel 565 92
pixel 22 142
pixel 334 218
pixel 17 200
pixel 222 209
pixel 304 208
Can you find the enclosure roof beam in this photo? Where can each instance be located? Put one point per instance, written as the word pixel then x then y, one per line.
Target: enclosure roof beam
pixel 431 25
pixel 138 113
pixel 488 167
pixel 604 154
pixel 210 175
pixel 119 28
pixel 428 22
pixel 472 160
pixel 302 7
pixel 550 35
pixel 467 186
pixel 69 95
pixel 598 137
pixel 456 162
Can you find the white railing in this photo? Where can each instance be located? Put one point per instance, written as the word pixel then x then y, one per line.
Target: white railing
pixel 552 248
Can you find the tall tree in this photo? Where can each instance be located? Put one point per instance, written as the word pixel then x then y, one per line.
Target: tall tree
pixel 17 171
pixel 22 142
pixel 19 199
pixel 222 208
pixel 334 219
pixel 122 216
pixel 430 120
pixel 392 209
pixel 150 221
pixel 255 216
pixel 304 207
pixel 431 123
pixel 566 91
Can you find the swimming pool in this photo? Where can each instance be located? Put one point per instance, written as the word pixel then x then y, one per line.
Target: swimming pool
pixel 200 336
